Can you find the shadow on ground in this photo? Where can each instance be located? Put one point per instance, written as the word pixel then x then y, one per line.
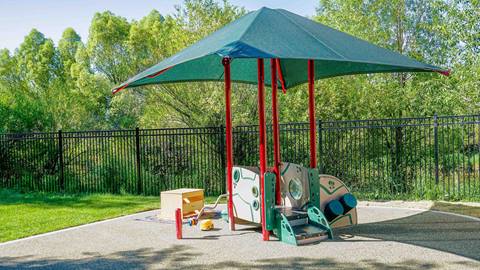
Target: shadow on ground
pixel 439 231
pixel 179 257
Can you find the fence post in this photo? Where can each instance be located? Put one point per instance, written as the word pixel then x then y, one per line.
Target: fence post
pixel 60 157
pixel 137 160
pixel 435 137
pixel 320 147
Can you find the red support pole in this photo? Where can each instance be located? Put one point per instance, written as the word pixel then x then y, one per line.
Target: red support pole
pixel 178 223
pixel 276 131
pixel 228 136
pixel 263 142
pixel 311 112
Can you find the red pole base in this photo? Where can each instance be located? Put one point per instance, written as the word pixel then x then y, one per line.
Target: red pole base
pixel 178 222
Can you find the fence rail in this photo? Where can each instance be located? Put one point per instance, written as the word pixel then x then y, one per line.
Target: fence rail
pixel 427 157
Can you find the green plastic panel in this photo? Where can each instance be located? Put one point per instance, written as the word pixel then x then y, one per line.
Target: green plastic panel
pixel 269 191
pixel 314 184
pixel 284 231
pixel 316 217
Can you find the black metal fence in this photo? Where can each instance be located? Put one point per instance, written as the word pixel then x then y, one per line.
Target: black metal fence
pixel 432 158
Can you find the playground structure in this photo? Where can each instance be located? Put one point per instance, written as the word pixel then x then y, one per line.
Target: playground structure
pixel 293 202
pixel 309 207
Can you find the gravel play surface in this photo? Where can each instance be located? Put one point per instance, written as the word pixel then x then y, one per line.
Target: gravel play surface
pixel 388 237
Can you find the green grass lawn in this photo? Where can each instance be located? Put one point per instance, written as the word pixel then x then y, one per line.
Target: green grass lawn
pixel 26 214
pixel 23 215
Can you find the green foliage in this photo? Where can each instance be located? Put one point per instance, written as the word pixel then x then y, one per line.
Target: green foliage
pixel 44 87
pixel 425 30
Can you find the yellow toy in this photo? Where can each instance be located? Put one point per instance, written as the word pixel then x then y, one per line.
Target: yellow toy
pixel 206 225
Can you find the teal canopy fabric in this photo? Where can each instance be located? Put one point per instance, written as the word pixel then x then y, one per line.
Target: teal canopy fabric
pixel 276 33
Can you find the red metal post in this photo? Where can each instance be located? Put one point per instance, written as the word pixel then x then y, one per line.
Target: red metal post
pixel 178 222
pixel 263 142
pixel 276 131
pixel 228 136
pixel 280 76
pixel 311 112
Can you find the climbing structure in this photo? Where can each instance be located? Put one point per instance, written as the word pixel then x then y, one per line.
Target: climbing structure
pixel 310 205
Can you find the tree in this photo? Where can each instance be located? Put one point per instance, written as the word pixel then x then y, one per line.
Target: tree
pixel 154 38
pixel 424 30
pixel 192 104
pixel 107 46
pixel 37 61
pixel 68 47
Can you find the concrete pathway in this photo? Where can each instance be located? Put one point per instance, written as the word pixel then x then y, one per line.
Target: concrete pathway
pixel 387 237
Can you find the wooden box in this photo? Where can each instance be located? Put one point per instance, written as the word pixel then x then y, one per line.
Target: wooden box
pixel 187 199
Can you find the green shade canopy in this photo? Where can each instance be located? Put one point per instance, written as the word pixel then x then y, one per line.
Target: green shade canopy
pixel 276 33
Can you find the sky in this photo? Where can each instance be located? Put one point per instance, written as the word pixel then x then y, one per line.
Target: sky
pixel 52 17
